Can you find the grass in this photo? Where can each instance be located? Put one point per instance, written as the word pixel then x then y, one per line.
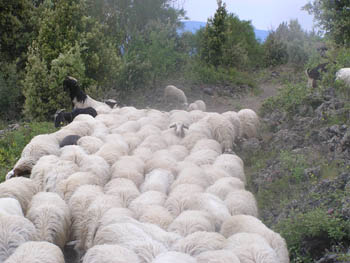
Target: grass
pixel 12 144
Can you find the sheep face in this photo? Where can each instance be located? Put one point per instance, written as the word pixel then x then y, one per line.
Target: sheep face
pixel 69 82
pixel 59 119
pixel 24 169
pixel 179 129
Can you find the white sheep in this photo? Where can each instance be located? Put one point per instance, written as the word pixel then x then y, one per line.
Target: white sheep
pixel 147 198
pixel 157 215
pixel 161 161
pixel 175 95
pixel 78 205
pixel 40 145
pixel 90 144
pixel 154 143
pixel 202 157
pixel 222 130
pixel 191 221
pixel 245 223
pixel 132 140
pixel 173 135
pixel 21 189
pixel 157 180
pixel 224 186
pixel 174 257
pixel 129 126
pixel 215 256
pixel 51 217
pixel 36 251
pixel 129 167
pixel 123 188
pixel 179 152
pixel 199 242
pixel 251 247
pixel 249 123
pixel 10 206
pixel 14 231
pixel 343 74
pixel 232 164
pixel 114 148
pixel 196 115
pixel 143 153
pixel 147 130
pixel 191 175
pixel 50 170
pixel 110 253
pixel 67 187
pixel 130 236
pixel 207 144
pixel 214 173
pixel 233 117
pixel 197 105
pixel 241 202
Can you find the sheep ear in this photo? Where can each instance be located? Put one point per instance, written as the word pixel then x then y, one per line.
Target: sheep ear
pixel 185 127
pixel 172 126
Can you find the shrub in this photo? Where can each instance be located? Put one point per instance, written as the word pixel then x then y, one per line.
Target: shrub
pixel 13 142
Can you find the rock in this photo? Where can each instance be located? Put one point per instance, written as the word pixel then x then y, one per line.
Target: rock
pixel 208 91
pixel 14 126
pixel 252 144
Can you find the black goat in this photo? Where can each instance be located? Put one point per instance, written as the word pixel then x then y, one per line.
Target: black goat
pixel 62 117
pixel 314 74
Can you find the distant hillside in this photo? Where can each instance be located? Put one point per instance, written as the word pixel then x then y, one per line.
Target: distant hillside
pixel 193 26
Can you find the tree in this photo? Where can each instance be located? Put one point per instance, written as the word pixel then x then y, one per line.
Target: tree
pixel 333 17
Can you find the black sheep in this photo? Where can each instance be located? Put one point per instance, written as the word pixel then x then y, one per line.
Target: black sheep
pixel 62 117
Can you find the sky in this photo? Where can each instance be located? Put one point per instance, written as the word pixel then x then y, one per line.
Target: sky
pixel 264 14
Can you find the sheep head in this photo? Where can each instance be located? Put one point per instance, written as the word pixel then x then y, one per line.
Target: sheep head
pixel 69 83
pixel 179 129
pixel 23 167
pixel 59 118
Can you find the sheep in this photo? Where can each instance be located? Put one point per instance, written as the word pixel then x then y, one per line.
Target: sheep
pixel 50 170
pixel 214 173
pixel 147 198
pixel 62 117
pixel 153 231
pixel 343 74
pixel 191 175
pixel 232 164
pixel 216 256
pixel 199 242
pixel 10 206
pixel 78 205
pixel 93 214
pixel 110 253
pixel 179 152
pixel 51 217
pixel 125 189
pixel 191 221
pixel 207 144
pixel 142 153
pixel 79 98
pixel 67 187
pixel 241 202
pixel 129 126
pixel 246 223
pixel 223 186
pixel 314 74
pixel 157 215
pixel 154 143
pixel 69 140
pixel 129 235
pixel 21 189
pixel 174 257
pixel 132 140
pixel 249 123
pixel 175 95
pixel 148 130
pixel 232 116
pixel 222 130
pixel 161 161
pixel 251 247
pixel 129 167
pixel 36 251
pixel 196 115
pixel 40 145
pixel 197 105
pixel 202 157
pixel 173 135
pixel 157 180
pixel 211 204
pixel 14 231
pixel 90 144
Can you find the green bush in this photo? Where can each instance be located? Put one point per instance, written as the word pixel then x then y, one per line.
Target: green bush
pixel 13 142
pixel 11 98
pixel 43 88
pixel 288 99
pixel 318 225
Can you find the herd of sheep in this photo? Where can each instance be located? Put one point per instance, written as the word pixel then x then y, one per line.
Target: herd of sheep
pixel 136 185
